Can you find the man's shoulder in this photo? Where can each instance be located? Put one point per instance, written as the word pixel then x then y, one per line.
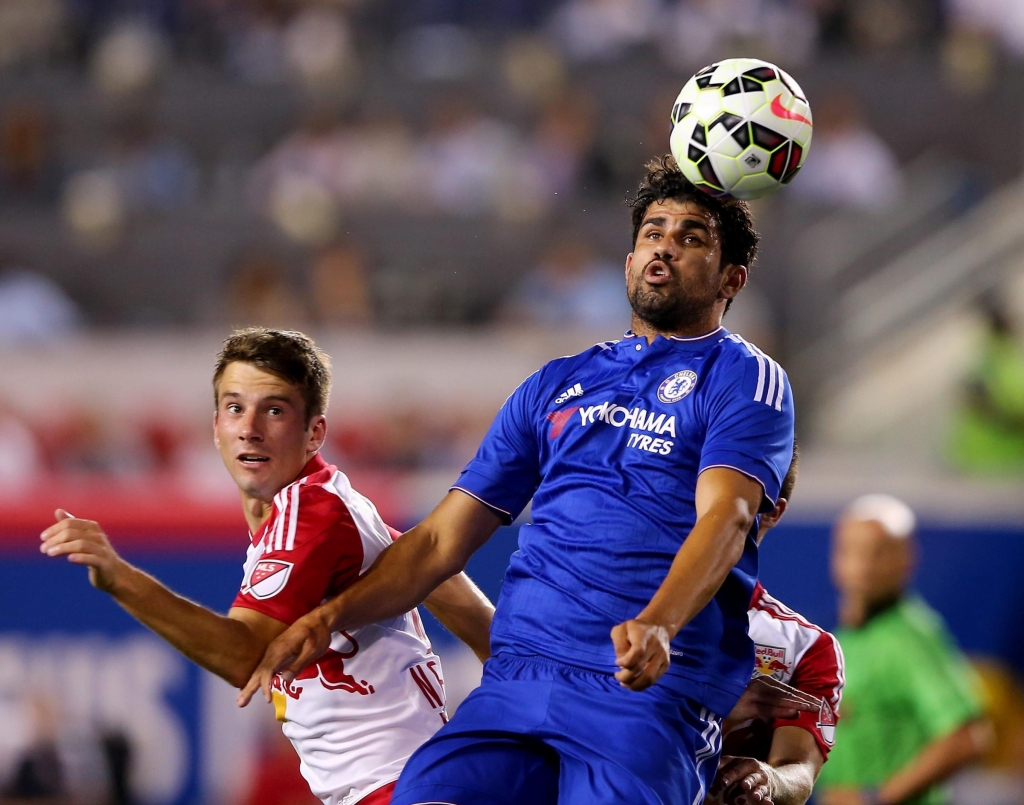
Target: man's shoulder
pixel 737 353
pixel 563 376
pixel 769 614
pixel 310 506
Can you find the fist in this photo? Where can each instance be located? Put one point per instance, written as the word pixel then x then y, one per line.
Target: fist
pixel 641 652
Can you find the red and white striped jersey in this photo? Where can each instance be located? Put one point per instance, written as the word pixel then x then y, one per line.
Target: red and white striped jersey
pixel 793 650
pixel 358 713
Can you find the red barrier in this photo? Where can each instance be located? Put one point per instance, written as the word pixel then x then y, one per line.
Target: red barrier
pixel 154 512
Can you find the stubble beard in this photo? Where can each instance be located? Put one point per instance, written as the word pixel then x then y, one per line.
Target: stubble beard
pixel 686 308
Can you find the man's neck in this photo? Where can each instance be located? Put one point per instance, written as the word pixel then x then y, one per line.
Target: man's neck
pixel 256 511
pixel 707 325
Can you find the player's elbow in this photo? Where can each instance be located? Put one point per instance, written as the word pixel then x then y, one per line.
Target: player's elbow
pixel 978 738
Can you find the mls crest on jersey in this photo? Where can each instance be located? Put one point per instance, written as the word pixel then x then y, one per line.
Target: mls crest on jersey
pixel 674 388
pixel 268 578
pixel 827 722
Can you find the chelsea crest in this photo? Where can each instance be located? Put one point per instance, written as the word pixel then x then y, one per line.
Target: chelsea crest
pixel 674 388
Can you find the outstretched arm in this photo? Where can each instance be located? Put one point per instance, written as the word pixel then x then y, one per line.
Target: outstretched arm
pixel 727 503
pixel 229 646
pixel 938 760
pixel 787 778
pixel 404 574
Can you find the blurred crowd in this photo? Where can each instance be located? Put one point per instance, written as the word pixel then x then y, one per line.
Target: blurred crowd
pixel 346 164
pixel 304 120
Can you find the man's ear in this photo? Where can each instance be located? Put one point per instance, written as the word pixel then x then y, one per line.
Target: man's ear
pixel 216 438
pixel 317 433
pixel 734 277
pixel 771 519
pixel 629 262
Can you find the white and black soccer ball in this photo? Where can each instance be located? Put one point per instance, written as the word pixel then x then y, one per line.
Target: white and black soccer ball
pixel 741 128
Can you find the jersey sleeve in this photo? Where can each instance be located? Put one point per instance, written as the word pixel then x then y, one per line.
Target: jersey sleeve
pixel 505 472
pixel 303 565
pixel 820 673
pixel 750 423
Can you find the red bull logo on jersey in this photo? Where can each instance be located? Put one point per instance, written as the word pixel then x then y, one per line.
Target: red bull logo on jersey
pixel 770 661
pixel 330 671
pixel 268 578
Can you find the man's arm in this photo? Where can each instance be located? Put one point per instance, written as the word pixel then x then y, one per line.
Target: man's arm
pixel 786 778
pixel 229 646
pixel 937 761
pixel 727 503
pixel 465 611
pixel 404 574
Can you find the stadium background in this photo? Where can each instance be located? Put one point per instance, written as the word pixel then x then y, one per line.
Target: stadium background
pixel 433 189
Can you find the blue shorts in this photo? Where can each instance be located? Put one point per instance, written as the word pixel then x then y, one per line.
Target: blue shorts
pixel 541 733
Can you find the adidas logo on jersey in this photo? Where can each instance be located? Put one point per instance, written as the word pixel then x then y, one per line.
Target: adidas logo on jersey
pixel 569 393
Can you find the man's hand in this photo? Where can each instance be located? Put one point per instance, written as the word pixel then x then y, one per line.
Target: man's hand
pixel 743 781
pixel 84 543
pixel 295 648
pixel 768 698
pixel 641 652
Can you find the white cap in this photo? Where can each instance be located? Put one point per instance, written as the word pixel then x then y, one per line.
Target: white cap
pixel 891 513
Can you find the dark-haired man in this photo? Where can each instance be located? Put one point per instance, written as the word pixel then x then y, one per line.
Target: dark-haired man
pixel 620 636
pixel 778 757
pixel 376 693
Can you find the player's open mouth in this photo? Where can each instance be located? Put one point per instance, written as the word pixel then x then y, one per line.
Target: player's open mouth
pixel 657 273
pixel 253 459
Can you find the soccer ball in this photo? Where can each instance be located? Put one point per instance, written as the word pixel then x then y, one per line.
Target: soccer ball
pixel 741 128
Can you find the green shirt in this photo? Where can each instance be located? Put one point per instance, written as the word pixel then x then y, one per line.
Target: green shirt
pixel 906 685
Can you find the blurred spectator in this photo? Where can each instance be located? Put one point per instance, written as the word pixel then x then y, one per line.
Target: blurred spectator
pixel 21 458
pixel 849 165
pixel 475 164
pixel 696 33
pixel 34 309
pixel 339 291
pixel 27 161
pixel 571 287
pixel 152 171
pixel 563 143
pixel 31 31
pixel 603 30
pixel 261 294
pixel 254 40
pixel 988 432
pixel 315 149
pixel 1002 19
pixel 911 712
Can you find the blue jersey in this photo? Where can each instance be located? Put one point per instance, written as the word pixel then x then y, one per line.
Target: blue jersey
pixel 609 444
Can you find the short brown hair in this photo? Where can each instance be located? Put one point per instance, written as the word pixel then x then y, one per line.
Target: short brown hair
pixel 288 354
pixel 789 482
pixel 736 230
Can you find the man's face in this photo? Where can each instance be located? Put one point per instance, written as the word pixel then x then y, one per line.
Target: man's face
pixel 674 275
pixel 261 431
pixel 868 562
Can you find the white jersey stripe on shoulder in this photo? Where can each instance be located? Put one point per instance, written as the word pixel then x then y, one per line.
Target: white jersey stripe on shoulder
pixel 782 386
pixel 760 357
pixel 293 519
pixel 770 395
